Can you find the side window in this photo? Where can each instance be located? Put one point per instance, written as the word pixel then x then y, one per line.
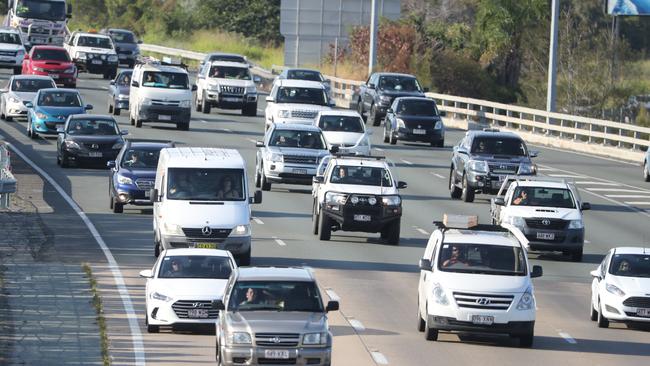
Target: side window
pixel 604 266
pixel 467 143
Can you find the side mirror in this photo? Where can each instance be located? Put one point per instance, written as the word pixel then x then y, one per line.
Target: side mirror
pixel 462 150
pixel 88 107
pixel 112 82
pixel 443 114
pixel 218 305
pixel 60 130
pixel 154 195
pixel 537 272
pixel 499 201
pixel 332 306
pixel 334 150
pixel 595 273
pixel 332 103
pixel 269 99
pixel 147 273
pixel 200 76
pixel 124 132
pixel 135 84
pixel 29 104
pixel 371 86
pixel 533 154
pixel 585 206
pixel 426 90
pixel 259 143
pixel 401 185
pixel 257 79
pixel 425 264
pixel 194 87
pixel 4 90
pixel 110 164
pixel 318 179
pixel 390 111
pixel 26 57
pixel 257 197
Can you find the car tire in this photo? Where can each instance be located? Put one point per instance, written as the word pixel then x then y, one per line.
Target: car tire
pixel 467 193
pixel 386 139
pixel 110 108
pixel 430 334
pixel 373 116
pixel 156 247
pixel 132 121
pixel 576 256
pixel 392 139
pixel 324 228
pixel 526 340
pixel 138 123
pixel 454 191
pixel 421 323
pixel 64 161
pixel 70 86
pixel 9 119
pixel 117 207
pixel 249 110
pixel 197 105
pixel 441 143
pixel 392 232
pixel 183 126
pixel 244 259
pixel 111 201
pixel 360 110
pixel 266 185
pixel 314 220
pixel 205 106
pixel 116 111
pixel 258 179
pixel 646 175
pixel 18 70
pixel 593 314
pixel 602 321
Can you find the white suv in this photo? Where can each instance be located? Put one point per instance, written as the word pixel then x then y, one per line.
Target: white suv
pixel 296 101
pixel 226 85
pixel 476 279
pixel 12 50
pixel 93 53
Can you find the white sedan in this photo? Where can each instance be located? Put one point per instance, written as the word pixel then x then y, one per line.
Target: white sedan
pixel 344 129
pixel 183 284
pixel 20 89
pixel 620 290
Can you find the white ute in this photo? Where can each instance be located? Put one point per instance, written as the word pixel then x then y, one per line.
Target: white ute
pixel 295 101
pixel 12 50
pixel 475 278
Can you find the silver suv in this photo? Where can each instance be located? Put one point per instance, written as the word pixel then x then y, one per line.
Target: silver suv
pixel 273 316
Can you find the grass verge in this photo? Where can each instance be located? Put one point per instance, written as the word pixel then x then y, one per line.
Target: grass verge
pixel 99 308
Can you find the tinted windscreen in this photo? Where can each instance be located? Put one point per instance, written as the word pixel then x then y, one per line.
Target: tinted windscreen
pixel 195 266
pixel 140 159
pixel 99 127
pixel 630 265
pixel 231 58
pixel 498 146
pixel 398 83
pixel 167 80
pixel 95 42
pixel 304 75
pixel 275 296
pixel 31 85
pixel 50 55
pixel 59 99
pixel 11 38
pixel 341 124
pixel 300 139
pixel 302 96
pixel 123 37
pixel 417 108
pixel 482 258
pixel 195 184
pixel 230 72
pixel 543 197
pixel 41 9
pixel 361 175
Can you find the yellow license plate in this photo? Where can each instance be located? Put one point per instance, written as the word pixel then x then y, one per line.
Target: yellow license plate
pixel 206 245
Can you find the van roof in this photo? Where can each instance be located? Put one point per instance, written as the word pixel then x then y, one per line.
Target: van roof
pixel 203 157
pixel 155 66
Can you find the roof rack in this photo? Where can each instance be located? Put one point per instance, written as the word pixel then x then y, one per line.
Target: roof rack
pixel 166 61
pixel 465 222
pixel 129 141
pixel 536 178
pixel 351 155
pixel 491 129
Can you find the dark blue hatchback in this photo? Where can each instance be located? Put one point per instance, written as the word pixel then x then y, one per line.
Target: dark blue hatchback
pixel 133 173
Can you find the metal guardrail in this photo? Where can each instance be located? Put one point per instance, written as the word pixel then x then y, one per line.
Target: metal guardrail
pixel 7 180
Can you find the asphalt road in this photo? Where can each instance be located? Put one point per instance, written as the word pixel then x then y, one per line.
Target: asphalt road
pixel 376 283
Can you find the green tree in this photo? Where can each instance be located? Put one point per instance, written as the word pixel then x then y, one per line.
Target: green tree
pixel 258 19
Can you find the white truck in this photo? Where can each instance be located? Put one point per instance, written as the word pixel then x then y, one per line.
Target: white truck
pixel 39 21
pixel 547 210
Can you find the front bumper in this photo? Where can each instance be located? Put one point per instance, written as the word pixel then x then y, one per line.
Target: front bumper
pixel 131 194
pixel 91 156
pixel 430 135
pixel 235 244
pixel 451 324
pixel 487 183
pixel 614 309
pixel 163 313
pixel 288 173
pixel 163 113
pixel 349 218
pixel 564 240
pixel 237 355
pixel 15 109
pixel 230 101
pixel 46 127
pixel 93 66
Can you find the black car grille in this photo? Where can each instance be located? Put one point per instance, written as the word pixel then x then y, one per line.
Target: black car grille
pixel 228 89
pixel 181 308
pixel 124 52
pixel 277 339
pixel 422 125
pixel 173 103
pixel 300 159
pixel 51 125
pixel 144 184
pixel 213 234
pixel 304 114
pixel 7 53
pixel 483 301
pixel 547 224
pixel 275 361
pixel 98 146
pixel 637 302
pixel 503 168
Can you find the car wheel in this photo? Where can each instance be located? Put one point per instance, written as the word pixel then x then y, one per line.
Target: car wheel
pixel 392 138
pixel 266 185
pixel 430 334
pixel 244 259
pixel 65 163
pixel 373 116
pixel 205 105
pixel 182 126
pixel 138 123
pixel 249 110
pixel 593 314
pixel 392 233
pixel 454 191
pixel 646 175
pixel 116 111
pixel 9 119
pixel 360 110
pixel 314 220
pixel 603 322
pixel 132 121
pixel 324 228
pixel 258 179
pixel 576 256
pixel 118 207
pixel 467 193
pixel 526 340
pixel 110 108
pixel 197 105
pixel 421 323
pixel 111 201
pixel 386 132
pixel 156 247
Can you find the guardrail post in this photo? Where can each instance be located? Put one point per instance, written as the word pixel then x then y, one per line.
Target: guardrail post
pixel 605 133
pixel 620 134
pixel 455 108
pixel 636 136
pixel 509 115
pixel 561 126
pixel 4 201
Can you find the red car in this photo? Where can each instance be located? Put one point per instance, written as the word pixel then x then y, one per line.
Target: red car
pixel 51 61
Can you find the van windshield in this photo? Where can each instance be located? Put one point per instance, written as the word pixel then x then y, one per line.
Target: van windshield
pixel 200 184
pixel 166 80
pixel 482 259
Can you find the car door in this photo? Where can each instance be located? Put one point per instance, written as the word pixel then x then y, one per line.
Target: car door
pixel 391 118
pixel 270 104
pixel 369 92
pixel 462 156
pixel 598 284
pixel 427 277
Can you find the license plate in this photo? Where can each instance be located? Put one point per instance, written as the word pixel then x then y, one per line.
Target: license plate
pixel 54 76
pixel 163 117
pixel 197 313
pixel 417 131
pixel 121 57
pixel 96 62
pixel 482 319
pixel 38 40
pixel 300 171
pixel 546 236
pixel 6 58
pixel 231 99
pixel 643 312
pixel 206 245
pixel 276 353
pixel 95 154
pixel 361 217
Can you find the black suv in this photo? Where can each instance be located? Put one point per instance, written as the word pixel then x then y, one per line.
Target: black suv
pixel 379 91
pixel 482 160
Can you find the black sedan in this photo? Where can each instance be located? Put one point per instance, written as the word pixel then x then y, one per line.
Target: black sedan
pixel 88 138
pixel 118 92
pixel 414 119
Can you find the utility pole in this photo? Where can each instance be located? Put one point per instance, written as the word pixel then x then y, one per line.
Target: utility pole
pixel 552 60
pixel 372 57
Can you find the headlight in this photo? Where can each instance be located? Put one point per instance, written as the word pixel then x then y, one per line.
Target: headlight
pixel 19 53
pixel 525 168
pixel 122 96
pixel 146 101
pixel 124 180
pixel 314 338
pixel 275 157
pixel 112 58
pixel 239 338
pixel 103 57
pixel 614 290
pixel 81 55
pixel 391 200
pixel 516 221
pixel 400 123
pixel 185 103
pixel 69 70
pixel 439 295
pixel 251 90
pixel 527 300
pixel 283 113
pixel 372 201
pixel 576 224
pixel 39 69
pixel 241 230
pixel 478 166
pixel 172 229
pixel 438 125
pixel 72 145
pixel 14 100
pixel 385 99
pixel 213 87
pixel 161 297
pixel 334 198
pixel 40 115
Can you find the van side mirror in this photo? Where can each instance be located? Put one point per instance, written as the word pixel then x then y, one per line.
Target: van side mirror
pixel 537 272
pixel 88 107
pixel 135 84
pixel 332 306
pixel 371 86
pixel 154 195
pixel 29 104
pixel 443 114
pixel 139 41
pixel 595 273
pixel 425 264
pixel 26 57
pixel 259 143
pixel 499 201
pixel 318 179
pixel 257 79
pixel 218 304
pixel 257 198
pixel 390 111
pixel 402 185
pixel 112 82
pixel 110 164
pixel 533 153
pixel 585 206
pixel 147 273
pixel 426 90
pixel 334 150
pixel 60 129
pixel 269 99
pixel 194 88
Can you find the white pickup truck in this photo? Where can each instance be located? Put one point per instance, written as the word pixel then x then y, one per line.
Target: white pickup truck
pixel 93 53
pixel 548 211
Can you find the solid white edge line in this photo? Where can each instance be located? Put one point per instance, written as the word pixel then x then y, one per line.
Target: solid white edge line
pixel 627 196
pixel 203 121
pixel 258 221
pixel 379 358
pixel 379 149
pixel 439 176
pixel 407 162
pixel 252 140
pixel 136 335
pixel 617 190
pixel 356 324
pixel 598 183
pixel 567 337
pixel 332 295
pixel 638 203
pixel 422 231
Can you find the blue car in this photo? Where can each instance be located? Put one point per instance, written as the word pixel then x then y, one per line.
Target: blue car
pixel 51 108
pixel 133 173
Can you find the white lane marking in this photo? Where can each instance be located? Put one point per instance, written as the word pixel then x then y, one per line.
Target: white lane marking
pixel 566 176
pixel 136 335
pixel 225 129
pixel 332 295
pixel 439 175
pixel 379 358
pixel 104 87
pixel 421 231
pixel 130 249
pixel 379 149
pixel 617 190
pixel 252 140
pixel 203 121
pixel 598 183
pixel 407 162
pixel 356 324
pixel 638 203
pixel 567 337
pixel 546 169
pixel 260 110
pixel 587 241
pixel 258 221
pixel 280 242
pixel 627 196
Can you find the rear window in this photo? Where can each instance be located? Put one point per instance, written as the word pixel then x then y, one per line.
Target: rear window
pixel 96 42
pixel 123 37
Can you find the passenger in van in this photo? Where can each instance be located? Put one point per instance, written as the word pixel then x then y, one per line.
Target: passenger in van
pixel 455 258
pixel 180 187
pixel 227 189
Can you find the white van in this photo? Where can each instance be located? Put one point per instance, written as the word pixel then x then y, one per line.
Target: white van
pixel 201 200
pixel 160 93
